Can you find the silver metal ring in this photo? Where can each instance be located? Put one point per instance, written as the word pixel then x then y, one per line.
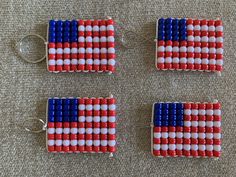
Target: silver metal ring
pixel 19 43
pixel 44 125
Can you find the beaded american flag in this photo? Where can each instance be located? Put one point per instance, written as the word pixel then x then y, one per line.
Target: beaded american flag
pixel 81 125
pixel 189 44
pixel 81 46
pixel 186 129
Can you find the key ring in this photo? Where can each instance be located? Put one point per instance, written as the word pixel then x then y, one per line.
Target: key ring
pixel 19 49
pixel 44 125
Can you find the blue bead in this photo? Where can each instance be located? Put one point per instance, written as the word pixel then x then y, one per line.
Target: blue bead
pixel 74 112
pixel 66 30
pixel 165 117
pixel 52 22
pixel 67 23
pixel 52 29
pixel 59 35
pixel 158 117
pixel 74 101
pixel 161 38
pixel 74 119
pixel 59 23
pixel 179 117
pixel 66 107
pixel 74 107
pixel 74 29
pixel 165 112
pixel 157 123
pixel 74 22
pixel 157 111
pixel 66 101
pixel 175 21
pixel 75 39
pixel 180 123
pixel 172 123
pixel 52 35
pixel 51 107
pixel 59 40
pixel 180 106
pixel 66 113
pixel 172 105
pixel 173 117
pixel 179 111
pixel 172 111
pixel 51 118
pixel 59 113
pixel 66 119
pixel 51 101
pixel 51 113
pixel 161 21
pixel 165 106
pixel 158 106
pixel 169 20
pixel 59 29
pixel 66 39
pixel 52 39
pixel 58 101
pixel 182 21
pixel 59 107
pixel 164 123
pixel 59 118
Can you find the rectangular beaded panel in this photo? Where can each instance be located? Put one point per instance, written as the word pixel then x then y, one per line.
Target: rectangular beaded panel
pixel 186 129
pixel 189 44
pixel 81 125
pixel 81 46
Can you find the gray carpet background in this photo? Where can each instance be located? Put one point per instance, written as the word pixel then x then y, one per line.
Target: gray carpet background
pixel 136 85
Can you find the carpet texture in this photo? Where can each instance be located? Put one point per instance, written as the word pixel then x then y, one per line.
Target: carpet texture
pixel 136 85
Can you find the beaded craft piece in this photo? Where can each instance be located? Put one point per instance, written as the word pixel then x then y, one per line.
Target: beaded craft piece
pixel 189 44
pixel 81 46
pixel 81 125
pixel 186 129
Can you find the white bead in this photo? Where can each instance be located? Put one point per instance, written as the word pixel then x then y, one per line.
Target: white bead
pixel 189 27
pixel 183 60
pixel 202 135
pixel 191 38
pixel 52 51
pixel 104 119
pixel 183 49
pixel 103 50
pixel 205 61
pixel 59 130
pixel 81 107
pixel 67 50
pixel 172 147
pixel 219 51
pixel 51 62
pixel 212 39
pixel 81 130
pixel 66 142
pixel 219 28
pixel 96 62
pixel 197 49
pixel 89 107
pixel 58 142
pixel 96 50
pixel 103 142
pixel 157 147
pixel 66 61
pixel 175 49
pixel 103 28
pixel 74 142
pixel 197 27
pixel 209 112
pixel 89 39
pixel 81 142
pixel 194 135
pixel 217 112
pixel 217 135
pixel 202 112
pixel 96 131
pixel 175 60
pixel 66 130
pixel 168 48
pixel 197 61
pixel 89 130
pixel 204 27
pixel 51 142
pixel 111 143
pixel 172 134
pixel 161 49
pixel 59 51
pixel 88 28
pixel 81 118
pixel 187 135
pixel 179 134
pixel 219 39
pixel 103 39
pixel 219 62
pixel 187 112
pixel 194 112
pixel 168 60
pixel 204 39
pixel 51 130
pixel 157 135
pixel 89 118
pixel 96 107
pixel 74 61
pixel 190 49
pixel 217 147
pixel 74 130
pixel 197 38
pixel 201 123
pixel 96 118
pixel 111 131
pixel 81 28
pixel 179 147
pixel 81 61
pixel 209 147
pixel 164 147
pixel 81 50
pixel 89 142
pixel 89 50
pixel 96 142
pixel 110 39
pixel 96 39
pixel 111 50
pixel 110 28
pixel 160 60
pixel 205 50
pixel 112 107
pixel 211 28
pixel 164 135
pixel 217 124
pixel 202 147
pixel 194 123
pixel 81 39
pixel 104 107
pixel 212 50
pixel 194 147
pixel 104 130
pixel 209 135
pixel 209 123
pixel 95 28
pixel 187 147
pixel 112 119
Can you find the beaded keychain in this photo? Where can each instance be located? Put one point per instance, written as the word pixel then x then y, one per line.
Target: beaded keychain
pixel 78 46
pixel 186 129
pixel 80 125
pixel 189 44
